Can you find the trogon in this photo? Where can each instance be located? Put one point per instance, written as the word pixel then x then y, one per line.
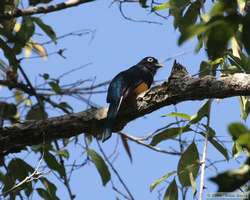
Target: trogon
pixel 130 82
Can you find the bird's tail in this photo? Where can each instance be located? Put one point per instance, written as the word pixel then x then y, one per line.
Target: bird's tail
pixel 112 113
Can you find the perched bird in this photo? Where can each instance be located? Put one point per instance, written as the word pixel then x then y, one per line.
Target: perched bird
pixel 130 82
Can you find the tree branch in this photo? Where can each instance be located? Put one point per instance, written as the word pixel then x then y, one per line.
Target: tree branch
pixel 179 87
pixel 42 9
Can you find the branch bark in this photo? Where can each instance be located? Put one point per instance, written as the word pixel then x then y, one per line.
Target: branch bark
pixel 42 9
pixel 179 87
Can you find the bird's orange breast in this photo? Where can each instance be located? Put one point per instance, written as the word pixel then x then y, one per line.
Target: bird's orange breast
pixel 140 88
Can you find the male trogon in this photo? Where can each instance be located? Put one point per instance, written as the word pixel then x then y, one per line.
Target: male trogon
pixel 132 81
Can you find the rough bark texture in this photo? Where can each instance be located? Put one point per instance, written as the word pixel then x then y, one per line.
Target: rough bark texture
pixel 42 9
pixel 179 87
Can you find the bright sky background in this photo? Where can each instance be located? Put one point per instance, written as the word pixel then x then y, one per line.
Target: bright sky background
pixel 117 45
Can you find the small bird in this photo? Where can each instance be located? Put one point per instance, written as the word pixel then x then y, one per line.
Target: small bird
pixel 130 82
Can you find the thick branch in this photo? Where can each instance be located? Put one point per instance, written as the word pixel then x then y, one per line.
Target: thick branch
pixel 42 9
pixel 180 87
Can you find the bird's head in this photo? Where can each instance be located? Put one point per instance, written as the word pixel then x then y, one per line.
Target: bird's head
pixel 151 63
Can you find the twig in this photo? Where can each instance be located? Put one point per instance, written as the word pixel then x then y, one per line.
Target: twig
pixel 176 56
pixel 39 100
pixel 42 9
pixel 119 192
pixel 120 3
pixel 139 141
pixel 73 70
pixel 58 52
pixel 115 171
pixel 34 176
pixel 181 146
pixel 32 92
pixel 204 154
pixel 73 33
pixel 65 178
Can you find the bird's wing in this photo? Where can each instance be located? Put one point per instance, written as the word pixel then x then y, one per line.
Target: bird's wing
pixel 115 97
pixel 116 88
pixel 120 87
pixel 136 81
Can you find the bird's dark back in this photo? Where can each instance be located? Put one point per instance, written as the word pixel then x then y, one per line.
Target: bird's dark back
pixel 129 78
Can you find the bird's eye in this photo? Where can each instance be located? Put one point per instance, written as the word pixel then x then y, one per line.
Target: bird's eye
pixel 150 59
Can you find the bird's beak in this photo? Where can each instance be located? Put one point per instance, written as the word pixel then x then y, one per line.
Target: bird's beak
pixel 159 65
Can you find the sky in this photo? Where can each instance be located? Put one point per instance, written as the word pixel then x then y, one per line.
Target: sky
pixel 118 44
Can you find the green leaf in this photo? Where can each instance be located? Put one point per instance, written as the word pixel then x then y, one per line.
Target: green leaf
pixel 55 86
pixel 244 141
pixel 218 38
pixel 237 129
pixel 217 61
pixel 230 69
pixel 221 7
pixel 2 177
pixel 246 32
pixel 42 147
pixel 9 182
pixel 54 164
pixel 205 69
pixel 44 194
pixel 193 183
pixel 210 130
pixel 171 192
pixel 232 180
pixel 201 39
pixel 180 115
pixel 176 8
pixel 188 163
pixel 217 9
pixel 7 110
pixel 46 28
pixel 167 134
pixel 35 2
pixel 214 29
pixel 36 113
pixel 177 14
pixel 190 16
pixel 66 106
pixel 50 189
pixel 179 4
pixel 202 112
pixel 244 107
pixel 160 180
pixel 235 61
pixel 192 31
pixel 64 153
pixel 9 54
pixel 19 170
pixel 101 166
pixel 162 6
pixel 245 60
pixel 23 35
pixel 45 76
pixel 143 3
pixel 237 149
pixel 126 146
pixel 66 141
pixel 218 146
pixel 243 63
